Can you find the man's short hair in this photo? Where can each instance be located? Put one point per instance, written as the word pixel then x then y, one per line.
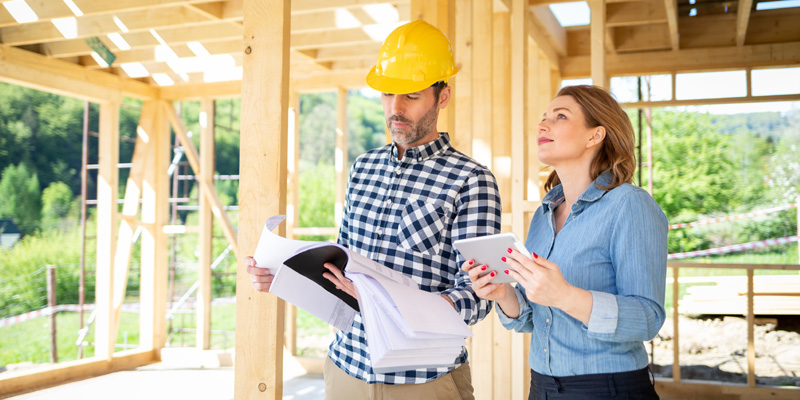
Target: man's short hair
pixel 437 89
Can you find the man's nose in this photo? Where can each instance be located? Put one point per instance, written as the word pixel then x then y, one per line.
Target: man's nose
pixel 397 105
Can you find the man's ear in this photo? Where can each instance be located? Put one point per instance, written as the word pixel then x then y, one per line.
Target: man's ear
pixel 444 97
pixel 598 134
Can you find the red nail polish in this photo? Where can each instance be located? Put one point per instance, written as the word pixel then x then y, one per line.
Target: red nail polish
pixel 483 268
pixel 492 274
pixel 506 272
pixel 534 255
pixel 503 258
pixel 509 250
pixel 471 262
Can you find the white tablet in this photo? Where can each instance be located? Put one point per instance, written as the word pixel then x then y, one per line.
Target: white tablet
pixel 489 250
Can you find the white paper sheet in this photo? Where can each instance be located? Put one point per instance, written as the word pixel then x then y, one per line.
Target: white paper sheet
pixel 319 303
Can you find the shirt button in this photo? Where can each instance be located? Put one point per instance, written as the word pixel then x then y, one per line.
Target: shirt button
pixel 545 350
pixel 547 320
pixel 379 233
pixel 388 201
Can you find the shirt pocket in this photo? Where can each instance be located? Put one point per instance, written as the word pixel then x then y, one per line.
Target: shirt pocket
pixel 421 226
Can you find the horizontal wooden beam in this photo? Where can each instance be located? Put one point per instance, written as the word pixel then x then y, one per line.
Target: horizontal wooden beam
pixel 544 20
pixel 27 381
pixel 651 37
pixel 36 71
pixel 215 90
pixel 703 102
pixel 635 13
pixel 688 60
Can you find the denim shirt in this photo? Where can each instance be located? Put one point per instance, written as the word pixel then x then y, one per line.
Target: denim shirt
pixel 613 244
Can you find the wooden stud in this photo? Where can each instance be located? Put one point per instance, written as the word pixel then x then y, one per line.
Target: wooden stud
pixel 107 193
pixel 671 7
pixel 206 223
pixel 461 137
pixel 293 205
pixel 262 188
pixel 676 349
pixel 598 32
pixel 742 20
pixel 341 163
pixel 751 347
pixel 153 240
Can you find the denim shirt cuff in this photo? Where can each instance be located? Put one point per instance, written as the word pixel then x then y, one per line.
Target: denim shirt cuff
pixel 605 313
pixel 523 308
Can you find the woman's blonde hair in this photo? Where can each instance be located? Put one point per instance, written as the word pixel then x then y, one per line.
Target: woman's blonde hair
pixel 616 152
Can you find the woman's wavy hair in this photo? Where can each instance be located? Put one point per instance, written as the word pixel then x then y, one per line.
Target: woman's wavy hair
pixel 616 154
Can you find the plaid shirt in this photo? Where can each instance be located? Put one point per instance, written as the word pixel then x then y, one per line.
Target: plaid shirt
pixel 405 214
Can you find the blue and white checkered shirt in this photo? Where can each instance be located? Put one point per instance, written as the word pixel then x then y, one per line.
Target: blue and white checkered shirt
pixel 405 214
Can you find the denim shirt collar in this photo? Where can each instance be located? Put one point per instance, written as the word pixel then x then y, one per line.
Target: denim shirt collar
pixel 424 151
pixel 555 196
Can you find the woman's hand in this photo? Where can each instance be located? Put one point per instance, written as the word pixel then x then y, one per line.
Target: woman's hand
pixel 545 285
pixel 502 293
pixel 261 278
pixel 337 278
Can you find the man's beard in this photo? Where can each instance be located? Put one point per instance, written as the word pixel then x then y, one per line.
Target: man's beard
pixel 415 131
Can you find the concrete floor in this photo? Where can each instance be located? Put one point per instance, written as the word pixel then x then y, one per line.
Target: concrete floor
pixel 176 379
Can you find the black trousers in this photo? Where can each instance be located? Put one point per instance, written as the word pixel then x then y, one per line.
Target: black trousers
pixel 633 385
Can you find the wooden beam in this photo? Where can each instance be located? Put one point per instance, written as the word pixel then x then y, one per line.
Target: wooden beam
pixel 215 90
pixel 107 193
pixel 67 371
pixel 462 93
pixel 206 222
pixel 689 60
pixel 635 13
pixel 542 41
pixel 153 240
pixel 341 165
pixel 597 37
pixel 671 8
pixel 49 10
pixel 264 143
pixel 306 6
pixel 723 100
pixel 36 71
pixel 330 81
pixel 101 25
pixel 544 20
pixel 642 38
pixel 518 164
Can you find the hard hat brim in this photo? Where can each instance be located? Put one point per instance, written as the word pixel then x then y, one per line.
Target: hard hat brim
pixel 385 84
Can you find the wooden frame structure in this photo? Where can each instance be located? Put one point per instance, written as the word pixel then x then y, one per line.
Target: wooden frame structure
pixel 512 56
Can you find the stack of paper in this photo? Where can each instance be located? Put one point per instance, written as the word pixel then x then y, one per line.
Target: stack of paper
pixel 407 328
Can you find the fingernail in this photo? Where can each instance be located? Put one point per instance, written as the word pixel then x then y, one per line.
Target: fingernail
pixel 509 250
pixel 534 255
pixel 471 262
pixel 492 274
pixel 506 272
pixel 483 268
pixel 503 258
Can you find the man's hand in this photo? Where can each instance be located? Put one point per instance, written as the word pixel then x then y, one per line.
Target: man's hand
pixel 260 277
pixel 337 278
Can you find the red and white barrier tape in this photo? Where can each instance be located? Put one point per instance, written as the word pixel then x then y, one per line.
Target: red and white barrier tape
pixel 733 248
pixel 734 217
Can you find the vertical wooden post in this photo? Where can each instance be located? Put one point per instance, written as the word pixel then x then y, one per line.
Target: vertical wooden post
pixel 482 362
pixel 155 214
pixel 597 32
pixel 676 349
pixel 520 372
pixel 341 164
pixel 751 346
pixel 462 136
pixel 51 304
pixel 797 206
pixel 262 191
pixel 206 222
pixel 107 193
pixel 293 204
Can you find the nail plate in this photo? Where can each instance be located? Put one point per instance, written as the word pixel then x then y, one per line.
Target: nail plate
pixel 534 255
pixel 503 258
pixel 483 268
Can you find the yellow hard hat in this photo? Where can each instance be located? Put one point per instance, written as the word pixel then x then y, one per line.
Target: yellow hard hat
pixel 414 56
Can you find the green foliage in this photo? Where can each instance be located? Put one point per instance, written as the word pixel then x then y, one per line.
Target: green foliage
pixel 23 285
pixel 317 195
pixel 56 202
pixel 20 197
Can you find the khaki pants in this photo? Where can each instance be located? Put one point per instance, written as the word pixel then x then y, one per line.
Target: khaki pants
pixel 457 385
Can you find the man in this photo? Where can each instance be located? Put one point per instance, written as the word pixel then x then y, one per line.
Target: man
pixel 406 203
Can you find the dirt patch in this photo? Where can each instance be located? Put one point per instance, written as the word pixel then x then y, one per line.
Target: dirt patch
pixel 716 349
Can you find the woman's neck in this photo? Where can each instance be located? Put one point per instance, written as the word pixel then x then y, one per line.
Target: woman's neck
pixel 574 182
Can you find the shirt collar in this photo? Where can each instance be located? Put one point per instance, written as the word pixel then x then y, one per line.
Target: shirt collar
pixel 424 151
pixel 592 193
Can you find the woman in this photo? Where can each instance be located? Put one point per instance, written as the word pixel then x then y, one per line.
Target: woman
pixel 593 288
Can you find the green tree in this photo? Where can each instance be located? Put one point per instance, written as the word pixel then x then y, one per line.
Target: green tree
pixel 56 202
pixel 20 197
